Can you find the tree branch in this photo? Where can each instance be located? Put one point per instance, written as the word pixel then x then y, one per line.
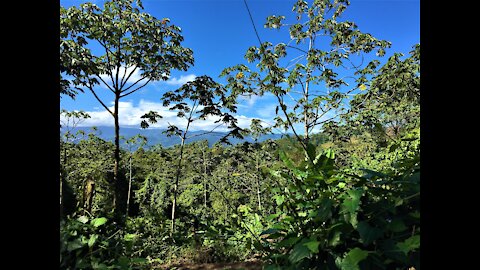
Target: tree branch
pixel 107 50
pixel 99 100
pixel 138 88
pixel 113 91
pixel 290 122
pixel 293 47
pixel 128 77
pixel 206 132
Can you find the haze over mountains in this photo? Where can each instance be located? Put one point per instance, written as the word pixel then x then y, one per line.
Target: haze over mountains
pixel 155 136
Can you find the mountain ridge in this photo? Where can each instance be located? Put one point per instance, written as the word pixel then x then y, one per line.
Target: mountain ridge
pixel 156 136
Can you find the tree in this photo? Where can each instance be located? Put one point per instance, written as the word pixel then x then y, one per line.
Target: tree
pixel 319 77
pixel 132 41
pixel 68 122
pixel 383 115
pixel 207 98
pixel 139 141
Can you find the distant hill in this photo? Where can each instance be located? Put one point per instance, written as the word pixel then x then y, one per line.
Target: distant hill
pixel 155 136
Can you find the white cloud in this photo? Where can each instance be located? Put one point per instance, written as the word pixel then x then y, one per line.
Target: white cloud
pixel 130 116
pixel 267 111
pixel 121 72
pixel 182 80
pixel 250 100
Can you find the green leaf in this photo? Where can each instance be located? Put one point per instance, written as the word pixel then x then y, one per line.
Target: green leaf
pixel 82 219
pixel 272 216
pixel 279 199
pixel 368 234
pixel 288 242
pixel 329 153
pixel 299 252
pixel 270 231
pixel 98 221
pixel 351 260
pixel 351 200
pixel 311 151
pixel 335 240
pixel 288 162
pixel 325 209
pixel 410 244
pixel 92 240
pixel 397 225
pixel 129 236
pixel 74 245
pixel 312 245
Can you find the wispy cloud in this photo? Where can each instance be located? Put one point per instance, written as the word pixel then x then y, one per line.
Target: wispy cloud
pixel 182 80
pixel 136 75
pixel 130 114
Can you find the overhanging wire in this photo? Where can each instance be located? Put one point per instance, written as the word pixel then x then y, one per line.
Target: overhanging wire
pixel 253 23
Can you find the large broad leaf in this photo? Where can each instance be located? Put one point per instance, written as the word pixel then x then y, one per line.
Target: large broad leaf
pixel 335 238
pixel 279 199
pixel 368 234
pixel 311 151
pixel 269 231
pixel 397 225
pixel 92 240
pixel 351 200
pixel 312 244
pixel 288 241
pixel 410 244
pixel 325 209
pixel 98 221
pixel 351 260
pixel 288 162
pixel 299 252
pixel 82 219
pixel 74 245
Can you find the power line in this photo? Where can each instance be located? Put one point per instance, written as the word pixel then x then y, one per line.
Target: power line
pixel 253 23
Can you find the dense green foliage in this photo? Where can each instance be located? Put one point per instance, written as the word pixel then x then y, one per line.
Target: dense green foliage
pixel 346 196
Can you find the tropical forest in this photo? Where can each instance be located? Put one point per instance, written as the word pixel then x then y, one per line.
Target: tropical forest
pixel 292 142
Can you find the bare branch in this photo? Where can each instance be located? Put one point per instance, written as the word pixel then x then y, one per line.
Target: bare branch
pixel 113 91
pixel 290 122
pixel 128 77
pixel 293 47
pixel 123 76
pixel 107 50
pixel 99 100
pixel 206 132
pixel 136 89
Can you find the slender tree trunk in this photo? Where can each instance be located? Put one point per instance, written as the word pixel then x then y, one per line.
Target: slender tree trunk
pixel 179 170
pixel 61 194
pixel 258 196
pixel 258 187
pixel 204 180
pixel 62 178
pixel 89 192
pixel 306 106
pixel 118 201
pixel 129 187
pixel 175 187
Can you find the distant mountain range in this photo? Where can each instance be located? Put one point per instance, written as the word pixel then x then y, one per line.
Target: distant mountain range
pixel 156 136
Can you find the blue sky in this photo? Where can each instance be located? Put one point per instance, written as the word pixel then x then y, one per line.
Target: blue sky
pixel 219 32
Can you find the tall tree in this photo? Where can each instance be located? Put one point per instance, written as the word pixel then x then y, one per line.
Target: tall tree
pixel 133 43
pixel 205 98
pixel 310 87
